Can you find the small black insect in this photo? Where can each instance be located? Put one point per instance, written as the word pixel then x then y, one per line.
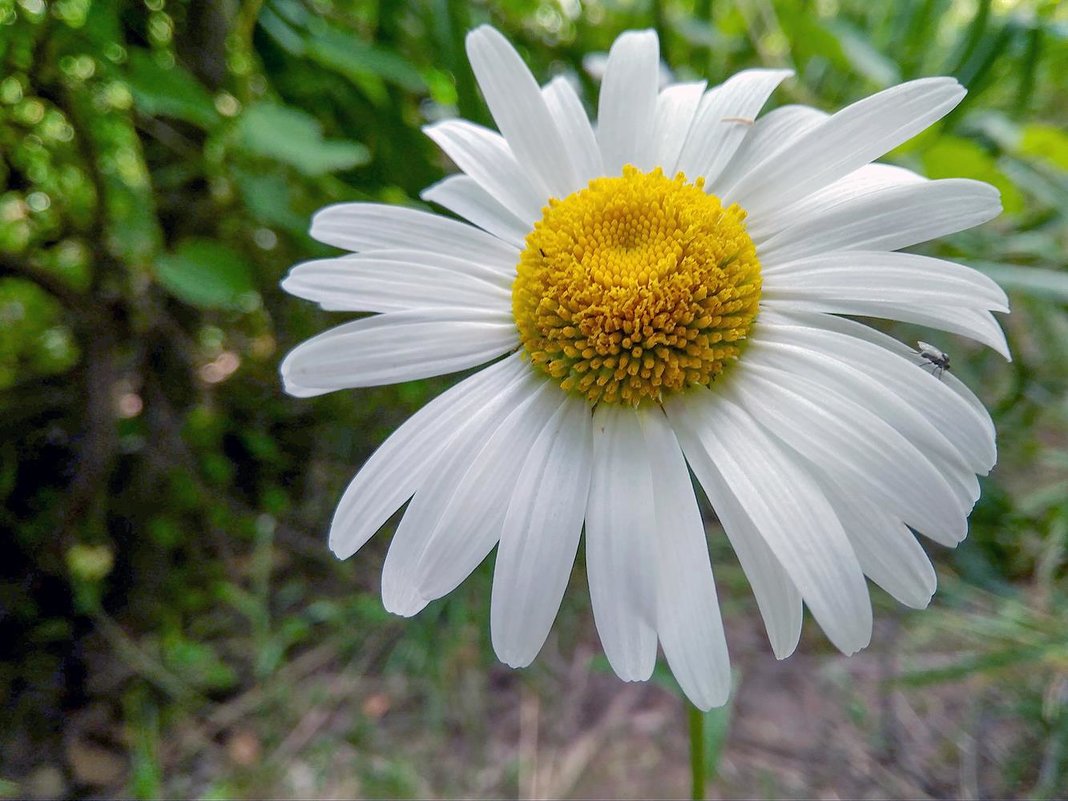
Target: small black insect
pixel 938 360
pixel 542 252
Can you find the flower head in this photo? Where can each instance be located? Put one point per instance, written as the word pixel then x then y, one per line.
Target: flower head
pixel 656 296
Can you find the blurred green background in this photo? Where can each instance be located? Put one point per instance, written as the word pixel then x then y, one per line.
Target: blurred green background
pixel 171 621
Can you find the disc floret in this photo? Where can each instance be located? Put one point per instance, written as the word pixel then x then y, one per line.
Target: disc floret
pixel 636 287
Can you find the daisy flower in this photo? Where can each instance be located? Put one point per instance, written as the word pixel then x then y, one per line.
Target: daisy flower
pixel 655 295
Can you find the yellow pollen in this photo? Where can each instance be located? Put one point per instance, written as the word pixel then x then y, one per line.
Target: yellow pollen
pixel 636 287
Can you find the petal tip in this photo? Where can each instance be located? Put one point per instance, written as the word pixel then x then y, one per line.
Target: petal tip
pixel 340 545
pixel 921 601
pixel 342 553
pixel 855 643
pixel 710 698
pixel 643 38
pixel 289 284
pixel 478 33
pixel 403 604
pixel 515 661
pixel 295 390
pixel 784 650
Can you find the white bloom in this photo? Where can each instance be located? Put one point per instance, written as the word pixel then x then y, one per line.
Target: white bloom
pixel 671 309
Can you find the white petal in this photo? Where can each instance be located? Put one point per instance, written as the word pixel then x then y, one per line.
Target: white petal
pixel 788 509
pixel 518 108
pixel 574 125
pixel 773 132
pixel 620 543
pixel 368 282
pixel 498 275
pixel 485 156
pixel 776 596
pixel 405 585
pixel 964 480
pixel 859 184
pixel 372 226
pixel 965 423
pixel 877 276
pixel 862 181
pixel 817 379
pixel 724 120
pixel 688 620
pixel 972 323
pixel 857 334
pixel 540 534
pixel 394 347
pixel 628 102
pixel 462 195
pixel 848 381
pixel 400 465
pixel 869 334
pixel 887 551
pixel 473 510
pixel 886 219
pixel 851 138
pixel 675 110
pixel 855 447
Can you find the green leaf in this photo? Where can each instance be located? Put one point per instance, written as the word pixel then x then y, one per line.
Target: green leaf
pixel 698 32
pixel 197 662
pixel 269 197
pixel 809 38
pixel 977 73
pixel 34 338
pixel 1045 142
pixel 1048 285
pixel 356 59
pixel 209 275
pixel 288 135
pixel 169 92
pixel 281 32
pixel 133 230
pixel 862 55
pixel 955 157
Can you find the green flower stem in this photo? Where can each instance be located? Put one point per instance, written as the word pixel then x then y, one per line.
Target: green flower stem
pixel 697 751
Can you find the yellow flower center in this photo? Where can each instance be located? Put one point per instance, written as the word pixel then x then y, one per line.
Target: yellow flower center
pixel 636 287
